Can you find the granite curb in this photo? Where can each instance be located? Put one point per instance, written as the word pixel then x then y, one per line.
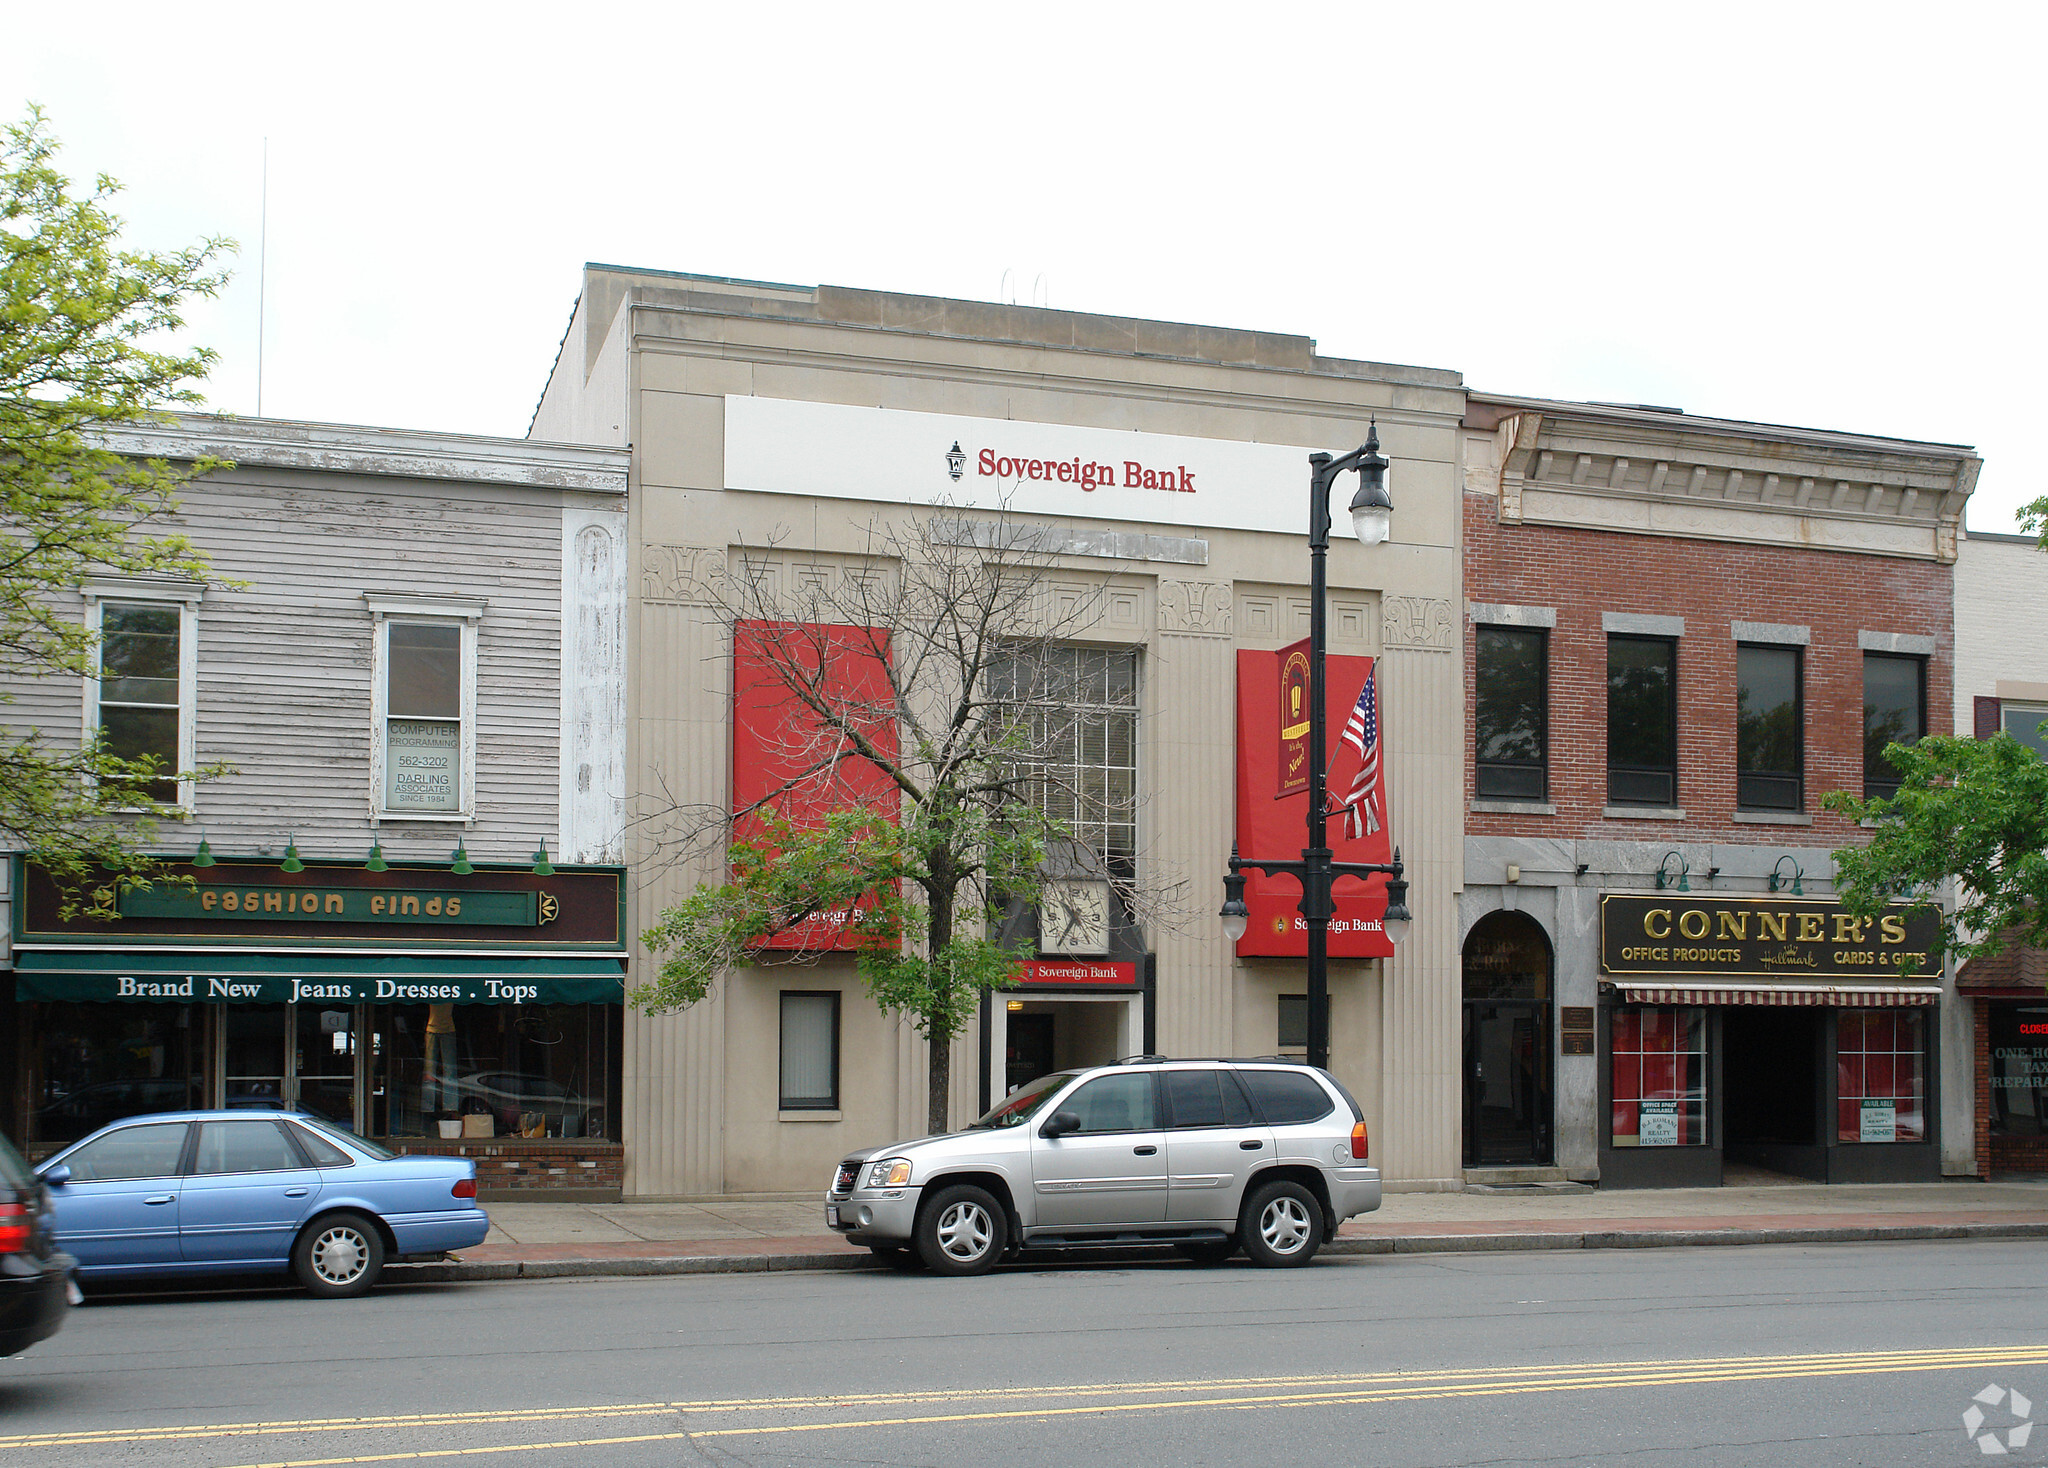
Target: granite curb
pixel 1445 1243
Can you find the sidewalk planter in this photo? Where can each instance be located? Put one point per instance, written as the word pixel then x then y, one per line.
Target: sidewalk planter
pixel 532 1170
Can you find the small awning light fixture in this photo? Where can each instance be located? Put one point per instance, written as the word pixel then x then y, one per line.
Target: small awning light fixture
pixel 1665 874
pixel 459 861
pixel 203 857
pixel 291 861
pixel 376 863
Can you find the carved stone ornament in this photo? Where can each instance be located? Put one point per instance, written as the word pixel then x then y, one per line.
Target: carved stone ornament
pixel 1195 606
pixel 691 574
pixel 1420 622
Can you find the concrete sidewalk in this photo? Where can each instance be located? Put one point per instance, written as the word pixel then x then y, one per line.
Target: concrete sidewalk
pixel 540 1240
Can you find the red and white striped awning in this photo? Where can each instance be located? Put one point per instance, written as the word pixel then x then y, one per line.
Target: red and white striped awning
pixel 1835 996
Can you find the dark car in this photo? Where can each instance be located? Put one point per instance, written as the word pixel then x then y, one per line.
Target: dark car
pixel 35 1278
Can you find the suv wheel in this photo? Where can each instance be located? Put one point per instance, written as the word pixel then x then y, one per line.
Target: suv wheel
pixel 962 1231
pixel 1282 1226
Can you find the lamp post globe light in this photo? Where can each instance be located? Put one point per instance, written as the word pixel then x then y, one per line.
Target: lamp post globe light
pixel 1372 515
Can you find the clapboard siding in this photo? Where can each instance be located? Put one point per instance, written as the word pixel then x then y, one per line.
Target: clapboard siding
pixel 285 658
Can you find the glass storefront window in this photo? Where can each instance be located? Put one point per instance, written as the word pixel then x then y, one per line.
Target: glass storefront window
pixel 1659 1096
pixel 494 1070
pixel 1880 1076
pixel 97 1063
pixel 2019 1069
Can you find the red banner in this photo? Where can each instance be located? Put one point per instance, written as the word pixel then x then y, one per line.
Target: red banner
pixel 783 753
pixel 1272 806
pixel 1079 971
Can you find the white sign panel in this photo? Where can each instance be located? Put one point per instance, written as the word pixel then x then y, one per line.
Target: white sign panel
pixel 423 765
pixel 1041 469
pixel 1880 1121
pixel 1658 1124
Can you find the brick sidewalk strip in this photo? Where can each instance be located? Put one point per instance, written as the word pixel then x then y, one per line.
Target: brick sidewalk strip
pixel 819 1251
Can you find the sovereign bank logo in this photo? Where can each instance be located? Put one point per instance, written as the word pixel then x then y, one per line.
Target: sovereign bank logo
pixel 1993 1408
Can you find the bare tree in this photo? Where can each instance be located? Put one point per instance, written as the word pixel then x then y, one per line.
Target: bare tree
pixel 922 767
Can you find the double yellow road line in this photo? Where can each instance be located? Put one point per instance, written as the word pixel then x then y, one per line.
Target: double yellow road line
pixel 853 1412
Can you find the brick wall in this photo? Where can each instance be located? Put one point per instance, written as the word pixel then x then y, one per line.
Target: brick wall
pixel 1584 573
pixel 516 1165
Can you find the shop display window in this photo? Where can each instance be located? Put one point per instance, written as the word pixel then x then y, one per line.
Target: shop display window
pixel 1659 1058
pixel 95 1063
pixel 492 1070
pixel 2019 1069
pixel 1880 1076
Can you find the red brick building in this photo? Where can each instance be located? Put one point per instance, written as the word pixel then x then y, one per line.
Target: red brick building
pixel 1680 634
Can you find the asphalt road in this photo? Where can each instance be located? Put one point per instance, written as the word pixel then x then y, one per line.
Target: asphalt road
pixel 1836 1354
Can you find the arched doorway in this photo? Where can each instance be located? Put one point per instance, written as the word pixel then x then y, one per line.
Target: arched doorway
pixel 1508 1065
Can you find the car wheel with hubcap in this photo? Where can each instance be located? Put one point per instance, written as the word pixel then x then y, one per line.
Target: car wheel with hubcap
pixel 962 1231
pixel 338 1255
pixel 1282 1226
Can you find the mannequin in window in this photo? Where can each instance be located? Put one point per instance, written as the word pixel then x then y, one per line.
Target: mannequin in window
pixel 441 1058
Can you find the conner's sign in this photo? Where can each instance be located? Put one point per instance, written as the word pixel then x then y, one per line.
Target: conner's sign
pixel 1682 933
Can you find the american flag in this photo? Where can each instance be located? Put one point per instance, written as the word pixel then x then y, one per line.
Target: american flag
pixel 1362 733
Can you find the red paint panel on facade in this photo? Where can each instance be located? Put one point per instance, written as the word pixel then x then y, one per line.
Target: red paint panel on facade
pixel 807 698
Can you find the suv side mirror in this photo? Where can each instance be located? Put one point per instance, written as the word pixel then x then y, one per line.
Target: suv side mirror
pixel 57 1176
pixel 1059 1124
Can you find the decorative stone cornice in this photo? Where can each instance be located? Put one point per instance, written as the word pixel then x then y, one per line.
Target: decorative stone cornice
pixel 1656 472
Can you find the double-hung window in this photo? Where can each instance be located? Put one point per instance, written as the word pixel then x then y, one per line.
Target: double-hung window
pixel 423 706
pixel 1894 712
pixel 1510 723
pixel 141 703
pixel 1642 720
pixel 1769 720
pixel 810 1050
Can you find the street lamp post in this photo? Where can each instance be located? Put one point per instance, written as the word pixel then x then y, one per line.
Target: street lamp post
pixel 1372 516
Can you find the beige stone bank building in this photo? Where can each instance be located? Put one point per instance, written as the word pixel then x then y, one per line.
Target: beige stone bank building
pixel 780 426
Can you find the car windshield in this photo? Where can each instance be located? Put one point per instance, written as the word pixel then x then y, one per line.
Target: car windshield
pixel 1018 1106
pixel 350 1139
pixel 14 1172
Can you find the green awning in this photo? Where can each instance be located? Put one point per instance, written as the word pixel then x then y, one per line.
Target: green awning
pixel 157 977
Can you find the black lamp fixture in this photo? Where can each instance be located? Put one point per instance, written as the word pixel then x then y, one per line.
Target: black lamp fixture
pixel 459 861
pixel 541 866
pixel 1797 872
pixel 1372 518
pixel 203 857
pixel 1664 872
pixel 376 862
pixel 956 460
pixel 291 862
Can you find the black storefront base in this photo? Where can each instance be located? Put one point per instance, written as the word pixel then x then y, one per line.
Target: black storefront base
pixel 1825 1161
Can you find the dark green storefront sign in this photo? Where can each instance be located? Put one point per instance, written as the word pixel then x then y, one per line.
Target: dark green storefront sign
pixel 235 978
pixel 220 903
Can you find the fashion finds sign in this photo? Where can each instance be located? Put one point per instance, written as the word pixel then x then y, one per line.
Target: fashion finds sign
pixel 1670 933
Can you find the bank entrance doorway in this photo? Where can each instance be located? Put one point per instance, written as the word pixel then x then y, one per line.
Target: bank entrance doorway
pixel 1507 1044
pixel 1037 1034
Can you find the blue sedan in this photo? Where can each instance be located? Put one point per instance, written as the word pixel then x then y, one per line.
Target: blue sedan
pixel 239 1192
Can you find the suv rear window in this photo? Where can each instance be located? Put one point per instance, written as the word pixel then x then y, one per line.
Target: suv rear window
pixel 1286 1097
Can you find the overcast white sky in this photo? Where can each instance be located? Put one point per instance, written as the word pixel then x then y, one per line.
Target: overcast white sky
pixel 1817 215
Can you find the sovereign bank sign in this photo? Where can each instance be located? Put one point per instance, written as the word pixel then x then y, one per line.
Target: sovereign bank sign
pixel 893 456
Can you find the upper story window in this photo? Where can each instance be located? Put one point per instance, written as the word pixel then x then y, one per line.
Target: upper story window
pixel 1769 723
pixel 1894 712
pixel 2023 721
pixel 1511 725
pixel 1081 708
pixel 1642 720
pixel 424 708
pixel 141 704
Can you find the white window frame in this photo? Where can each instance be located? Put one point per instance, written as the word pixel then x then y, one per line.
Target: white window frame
pixel 186 595
pixel 389 607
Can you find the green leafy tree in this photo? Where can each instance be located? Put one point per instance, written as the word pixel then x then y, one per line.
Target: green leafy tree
pixel 964 661
pixel 83 328
pixel 2034 519
pixel 1975 810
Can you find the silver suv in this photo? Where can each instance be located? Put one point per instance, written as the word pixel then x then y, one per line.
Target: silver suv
pixel 1209 1156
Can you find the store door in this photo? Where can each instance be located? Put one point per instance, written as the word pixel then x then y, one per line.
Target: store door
pixel 1507 1044
pixel 1027 1051
pixel 324 1063
pixel 279 1057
